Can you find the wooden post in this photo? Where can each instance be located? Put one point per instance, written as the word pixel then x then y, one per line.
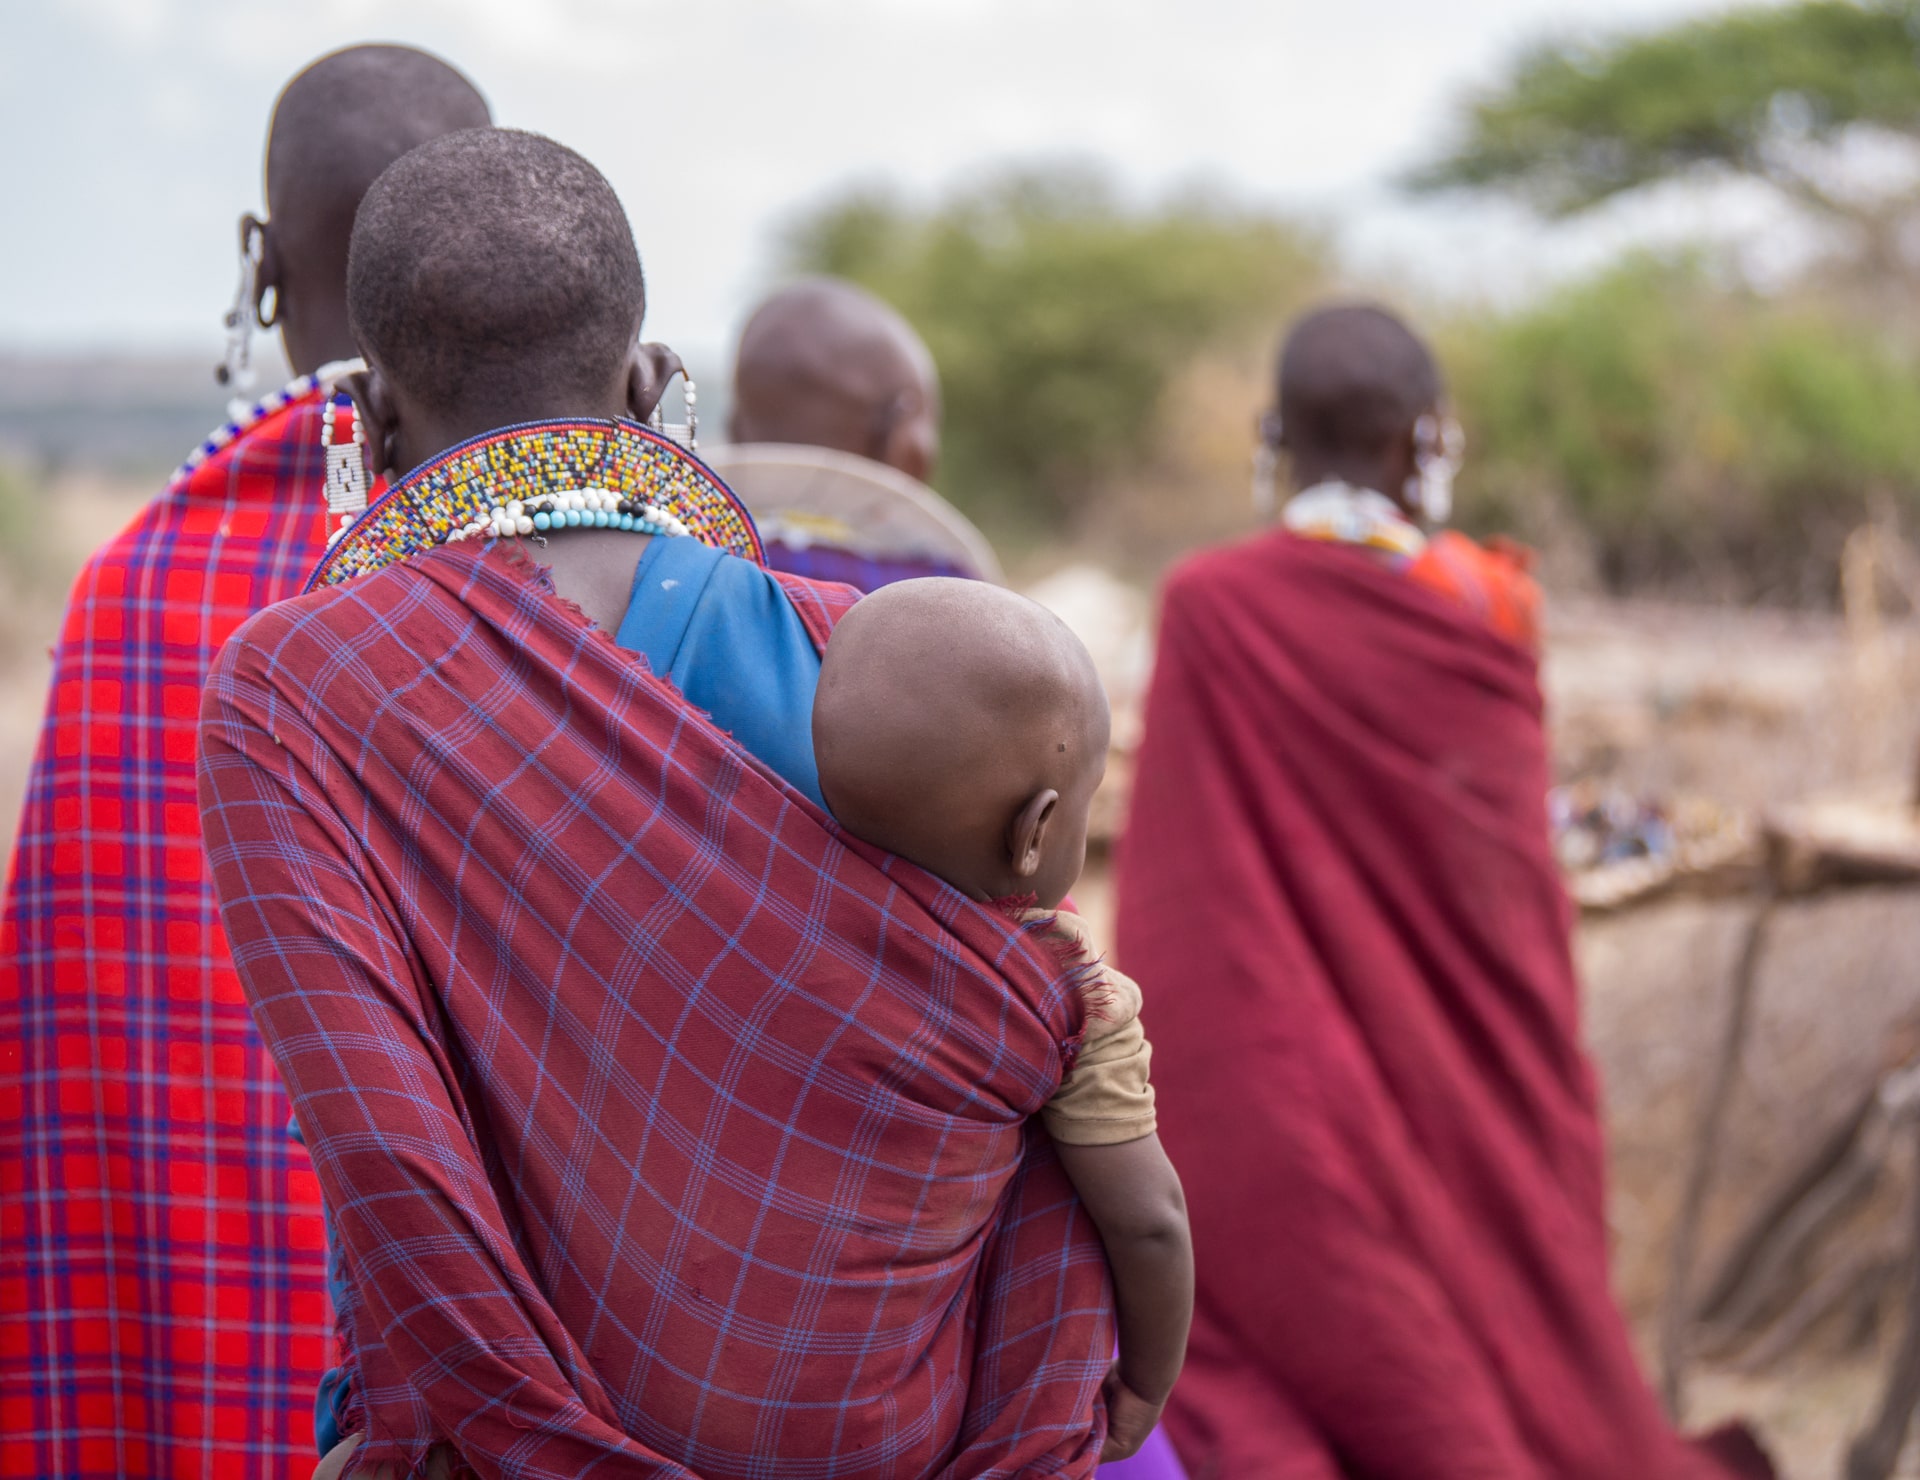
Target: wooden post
pixel 1874 1454
pixel 1677 1318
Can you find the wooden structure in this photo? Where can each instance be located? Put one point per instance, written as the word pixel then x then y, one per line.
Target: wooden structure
pixel 1795 855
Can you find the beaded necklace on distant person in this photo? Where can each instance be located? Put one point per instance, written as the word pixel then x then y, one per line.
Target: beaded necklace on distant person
pixel 237 425
pixel 1339 513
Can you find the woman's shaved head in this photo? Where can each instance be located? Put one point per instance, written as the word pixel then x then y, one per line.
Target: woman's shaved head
pixel 1353 379
pixel 336 126
pixel 343 120
pixel 493 268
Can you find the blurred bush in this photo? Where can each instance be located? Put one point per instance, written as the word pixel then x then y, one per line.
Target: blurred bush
pixel 1657 426
pixel 1060 316
pixel 1686 434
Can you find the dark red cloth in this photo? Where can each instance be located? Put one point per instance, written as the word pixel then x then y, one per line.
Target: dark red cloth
pixel 665 1130
pixel 1337 892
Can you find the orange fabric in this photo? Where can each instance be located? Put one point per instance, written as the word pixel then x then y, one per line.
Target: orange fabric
pixel 1493 580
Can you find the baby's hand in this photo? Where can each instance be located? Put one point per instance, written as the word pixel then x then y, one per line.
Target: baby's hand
pixel 1130 1418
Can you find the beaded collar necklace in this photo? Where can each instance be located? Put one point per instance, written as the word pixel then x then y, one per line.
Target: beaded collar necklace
pixel 1342 514
pixel 244 419
pixel 544 476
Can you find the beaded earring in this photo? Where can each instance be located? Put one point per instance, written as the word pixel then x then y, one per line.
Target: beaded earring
pixel 236 370
pixel 686 433
pixel 1266 467
pixel 343 441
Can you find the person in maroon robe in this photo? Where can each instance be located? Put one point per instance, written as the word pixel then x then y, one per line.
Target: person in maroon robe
pixel 1337 890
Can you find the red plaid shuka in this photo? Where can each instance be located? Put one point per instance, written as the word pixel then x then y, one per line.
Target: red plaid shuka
pixel 162 1305
pixel 666 1130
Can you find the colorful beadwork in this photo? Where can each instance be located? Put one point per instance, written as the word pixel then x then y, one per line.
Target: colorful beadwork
pixel 294 390
pixel 1342 514
pixel 662 484
pixel 343 441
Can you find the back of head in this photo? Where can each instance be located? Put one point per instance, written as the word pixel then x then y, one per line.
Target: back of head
pixel 824 363
pixel 336 127
pixel 1353 379
pixel 493 273
pixel 944 707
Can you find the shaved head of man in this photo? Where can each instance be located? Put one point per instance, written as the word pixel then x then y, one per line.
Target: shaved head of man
pixel 825 364
pixel 1354 383
pixel 335 128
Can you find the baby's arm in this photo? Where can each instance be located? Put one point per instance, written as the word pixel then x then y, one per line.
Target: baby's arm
pixel 1133 1195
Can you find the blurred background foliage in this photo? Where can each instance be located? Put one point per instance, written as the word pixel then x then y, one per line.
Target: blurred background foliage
pixel 1662 425
pixel 1060 316
pixel 1755 91
pixel 1662 429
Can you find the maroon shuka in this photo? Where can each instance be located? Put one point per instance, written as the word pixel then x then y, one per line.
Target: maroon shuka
pixel 1338 892
pixel 666 1130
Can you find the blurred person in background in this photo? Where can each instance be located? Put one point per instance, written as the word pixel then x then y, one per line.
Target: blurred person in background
pixel 163 1310
pixel 834 430
pixel 1338 885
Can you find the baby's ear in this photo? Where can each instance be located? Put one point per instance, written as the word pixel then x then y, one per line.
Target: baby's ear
pixel 1027 833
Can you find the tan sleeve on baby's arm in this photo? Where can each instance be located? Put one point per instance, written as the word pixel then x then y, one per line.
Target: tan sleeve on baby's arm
pixel 1107 1099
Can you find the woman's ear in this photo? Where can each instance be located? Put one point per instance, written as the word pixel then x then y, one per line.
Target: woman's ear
pixel 649 368
pixel 256 236
pixel 1027 833
pixel 908 436
pixel 379 418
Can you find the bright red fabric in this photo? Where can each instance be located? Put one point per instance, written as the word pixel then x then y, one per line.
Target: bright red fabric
pixel 1337 892
pixel 1491 580
pixel 162 1293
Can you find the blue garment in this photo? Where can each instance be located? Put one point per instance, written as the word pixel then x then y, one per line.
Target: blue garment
pixel 722 631
pixel 330 1398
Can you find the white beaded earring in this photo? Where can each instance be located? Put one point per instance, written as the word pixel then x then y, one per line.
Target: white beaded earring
pixel 346 462
pixel 686 433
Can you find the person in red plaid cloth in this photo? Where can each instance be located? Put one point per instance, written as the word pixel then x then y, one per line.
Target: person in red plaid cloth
pixel 162 1297
pixel 666 1129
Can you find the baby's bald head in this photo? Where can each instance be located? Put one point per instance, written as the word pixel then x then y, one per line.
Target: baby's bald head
pixel 963 728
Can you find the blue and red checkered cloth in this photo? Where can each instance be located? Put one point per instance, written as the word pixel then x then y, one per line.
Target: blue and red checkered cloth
pixel 666 1130
pixel 162 1301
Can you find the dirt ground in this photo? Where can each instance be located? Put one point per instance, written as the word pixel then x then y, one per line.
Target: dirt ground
pixel 1750 710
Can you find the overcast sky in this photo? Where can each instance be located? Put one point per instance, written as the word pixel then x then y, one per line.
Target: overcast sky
pixel 135 127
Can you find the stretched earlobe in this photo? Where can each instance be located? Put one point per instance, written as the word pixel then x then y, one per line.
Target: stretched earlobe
pixel 1027 834
pixel 649 369
pixel 258 242
pixel 378 418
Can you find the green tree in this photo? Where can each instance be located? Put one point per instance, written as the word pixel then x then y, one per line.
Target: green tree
pixel 1058 316
pixel 1764 93
pixel 1697 437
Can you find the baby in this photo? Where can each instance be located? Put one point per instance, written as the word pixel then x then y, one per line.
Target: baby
pixel 963 728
